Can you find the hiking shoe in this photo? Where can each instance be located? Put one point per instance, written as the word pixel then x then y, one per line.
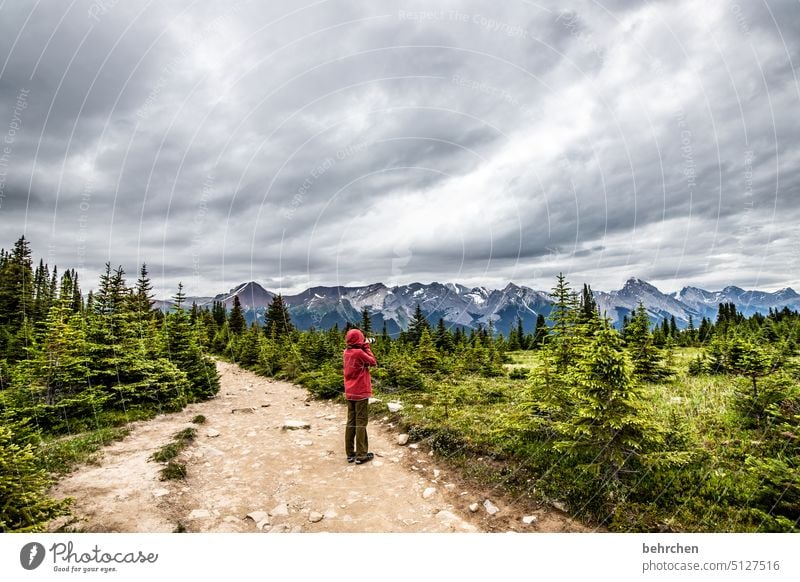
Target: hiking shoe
pixel 361 460
pixel 351 458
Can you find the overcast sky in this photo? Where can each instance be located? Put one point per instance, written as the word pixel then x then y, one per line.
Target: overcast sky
pixel 346 142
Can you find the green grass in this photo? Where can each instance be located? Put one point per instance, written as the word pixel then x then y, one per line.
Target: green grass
pixel 498 430
pixel 62 455
pixel 199 419
pixel 173 470
pixel 167 452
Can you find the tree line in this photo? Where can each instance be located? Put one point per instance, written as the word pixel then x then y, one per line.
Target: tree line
pixel 72 363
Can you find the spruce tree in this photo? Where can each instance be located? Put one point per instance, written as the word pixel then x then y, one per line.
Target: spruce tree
pixel 564 315
pixel 540 334
pixel 443 339
pixel 278 321
pixel 605 430
pixel 646 357
pixel 426 357
pixel 236 321
pixel 417 325
pixel 366 321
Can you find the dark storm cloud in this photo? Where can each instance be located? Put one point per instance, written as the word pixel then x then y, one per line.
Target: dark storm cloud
pixel 352 142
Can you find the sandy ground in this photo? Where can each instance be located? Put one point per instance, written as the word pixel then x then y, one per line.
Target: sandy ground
pixel 286 480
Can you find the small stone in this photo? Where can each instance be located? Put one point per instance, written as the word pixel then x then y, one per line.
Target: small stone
pixel 199 514
pixel 429 492
pixel 413 446
pixel 160 492
pixel 402 439
pixel 296 425
pixel 436 473
pixel 280 528
pixel 315 516
pixel 529 519
pixel 559 506
pixel 248 410
pixel 212 432
pixel 374 400
pixel 394 406
pixel 265 405
pixel 473 507
pixel 330 514
pixel 447 516
pixel 490 507
pixel 280 510
pixel 450 486
pixel 419 406
pixel 305 443
pixel 257 516
pixel 251 433
pixel 261 518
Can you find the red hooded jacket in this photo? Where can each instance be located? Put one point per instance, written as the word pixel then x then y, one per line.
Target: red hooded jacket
pixel 357 360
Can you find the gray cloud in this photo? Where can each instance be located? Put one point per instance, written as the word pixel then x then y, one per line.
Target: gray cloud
pixel 353 142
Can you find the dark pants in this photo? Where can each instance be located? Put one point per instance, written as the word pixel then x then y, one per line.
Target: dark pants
pixel 357 417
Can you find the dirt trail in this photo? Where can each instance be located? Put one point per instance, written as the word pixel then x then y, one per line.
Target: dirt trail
pixel 298 479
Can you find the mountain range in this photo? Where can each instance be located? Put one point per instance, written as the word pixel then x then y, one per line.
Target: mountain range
pixel 322 307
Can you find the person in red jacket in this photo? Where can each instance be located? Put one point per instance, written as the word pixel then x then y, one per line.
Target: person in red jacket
pixel 357 389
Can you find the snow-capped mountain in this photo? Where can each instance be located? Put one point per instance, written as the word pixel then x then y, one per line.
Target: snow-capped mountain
pixel 617 304
pixel 747 302
pixel 322 307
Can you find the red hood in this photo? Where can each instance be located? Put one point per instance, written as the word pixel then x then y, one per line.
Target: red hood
pixel 355 337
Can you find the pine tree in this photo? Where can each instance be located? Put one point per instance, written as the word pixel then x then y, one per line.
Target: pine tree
pixel 564 315
pixel 426 357
pixel 366 321
pixel 278 321
pixel 540 334
pixel 442 338
pixel 16 286
pixel 605 431
pixel 143 294
pixel 219 312
pixel 181 348
pixel 417 325
pixel 645 356
pixel 673 327
pixel 236 321
pixel 23 487
pixel 523 343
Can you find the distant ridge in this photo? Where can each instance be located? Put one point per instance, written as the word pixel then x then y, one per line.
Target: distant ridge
pixel 457 304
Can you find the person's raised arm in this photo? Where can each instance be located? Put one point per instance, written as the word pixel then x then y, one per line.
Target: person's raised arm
pixel 368 356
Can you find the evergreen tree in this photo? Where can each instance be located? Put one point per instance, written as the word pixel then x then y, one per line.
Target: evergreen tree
pixel 605 432
pixel 219 312
pixel 23 487
pixel 442 338
pixel 181 348
pixel 16 286
pixel 564 315
pixel 589 312
pixel 644 354
pixel 540 334
pixel 426 357
pixel 236 321
pixel 417 325
pixel 366 321
pixel 523 344
pixel 143 294
pixel 673 327
pixel 278 321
